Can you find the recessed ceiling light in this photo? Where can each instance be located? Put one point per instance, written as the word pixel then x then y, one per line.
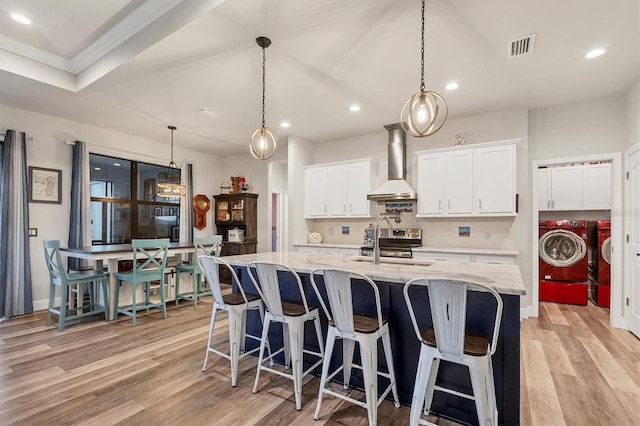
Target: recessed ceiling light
pixel 97 168
pixel 451 86
pixel 285 124
pixel 595 53
pixel 116 164
pixel 20 18
pixel 354 108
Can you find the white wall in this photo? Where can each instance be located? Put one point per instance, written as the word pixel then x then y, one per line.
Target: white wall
pixel 300 154
pixel 47 149
pixel 256 173
pixel 586 128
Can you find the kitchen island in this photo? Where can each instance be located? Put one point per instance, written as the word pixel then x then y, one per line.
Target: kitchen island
pixel 390 277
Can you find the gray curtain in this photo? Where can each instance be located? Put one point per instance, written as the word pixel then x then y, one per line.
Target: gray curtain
pixel 79 218
pixel 15 264
pixel 186 217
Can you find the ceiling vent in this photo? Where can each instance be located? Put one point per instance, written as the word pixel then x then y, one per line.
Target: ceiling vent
pixel 522 46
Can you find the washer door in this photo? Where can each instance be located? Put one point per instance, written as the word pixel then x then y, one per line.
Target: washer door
pixel 561 248
pixel 606 250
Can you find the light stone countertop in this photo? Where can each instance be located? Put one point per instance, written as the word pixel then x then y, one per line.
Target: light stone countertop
pixel 505 278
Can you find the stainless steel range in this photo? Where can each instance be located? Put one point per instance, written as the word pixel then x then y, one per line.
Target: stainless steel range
pixel 399 244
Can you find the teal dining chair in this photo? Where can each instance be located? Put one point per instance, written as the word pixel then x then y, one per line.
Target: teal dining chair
pixel 149 262
pixel 204 246
pixel 58 277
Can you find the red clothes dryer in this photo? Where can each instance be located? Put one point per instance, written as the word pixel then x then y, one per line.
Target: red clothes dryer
pixel 563 263
pixel 603 289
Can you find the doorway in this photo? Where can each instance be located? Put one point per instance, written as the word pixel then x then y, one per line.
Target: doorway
pixel 617 315
pixel 278 205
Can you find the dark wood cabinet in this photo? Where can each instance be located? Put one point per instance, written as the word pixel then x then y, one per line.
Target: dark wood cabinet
pixel 239 211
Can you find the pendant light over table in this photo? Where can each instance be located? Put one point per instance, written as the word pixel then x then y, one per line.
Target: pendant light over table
pixel 172 186
pixel 263 140
pixel 424 113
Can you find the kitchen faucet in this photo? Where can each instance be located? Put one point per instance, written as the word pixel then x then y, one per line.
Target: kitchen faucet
pixel 376 247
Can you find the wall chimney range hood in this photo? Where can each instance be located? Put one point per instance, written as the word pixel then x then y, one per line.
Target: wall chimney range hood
pixel 396 188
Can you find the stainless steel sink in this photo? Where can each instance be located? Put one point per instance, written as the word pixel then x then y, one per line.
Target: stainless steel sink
pixel 391 260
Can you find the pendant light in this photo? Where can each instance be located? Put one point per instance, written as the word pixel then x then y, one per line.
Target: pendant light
pixel 263 140
pixel 424 113
pixel 172 185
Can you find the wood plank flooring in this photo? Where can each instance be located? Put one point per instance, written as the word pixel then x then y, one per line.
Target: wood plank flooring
pixel 575 370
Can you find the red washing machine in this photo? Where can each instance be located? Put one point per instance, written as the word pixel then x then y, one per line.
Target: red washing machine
pixel 603 289
pixel 563 263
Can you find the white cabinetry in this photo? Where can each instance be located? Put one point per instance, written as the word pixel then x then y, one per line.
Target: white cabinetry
pixel 353 251
pixel 596 186
pixel 478 181
pixel 576 187
pixel 315 189
pixel 339 190
pixel 495 179
pixel 495 259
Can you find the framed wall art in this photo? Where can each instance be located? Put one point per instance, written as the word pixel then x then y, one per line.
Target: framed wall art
pixel 45 185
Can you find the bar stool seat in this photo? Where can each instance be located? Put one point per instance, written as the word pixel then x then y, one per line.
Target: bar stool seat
pixel 447 338
pixel 353 327
pixel 236 305
pixel 292 316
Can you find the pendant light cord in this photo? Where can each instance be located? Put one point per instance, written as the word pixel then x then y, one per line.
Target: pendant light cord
pixel 264 61
pixel 422 52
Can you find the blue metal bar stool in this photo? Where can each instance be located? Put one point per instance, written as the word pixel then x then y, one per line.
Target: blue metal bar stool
pixel 346 324
pixel 293 316
pixel 236 305
pixel 58 277
pixel 447 338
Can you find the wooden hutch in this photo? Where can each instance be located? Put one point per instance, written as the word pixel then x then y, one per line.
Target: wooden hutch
pixel 237 211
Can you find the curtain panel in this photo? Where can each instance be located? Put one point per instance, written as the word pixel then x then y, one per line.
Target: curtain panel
pixel 15 264
pixel 80 216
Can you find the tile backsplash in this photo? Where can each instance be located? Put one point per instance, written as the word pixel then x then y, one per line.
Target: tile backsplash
pixel 492 232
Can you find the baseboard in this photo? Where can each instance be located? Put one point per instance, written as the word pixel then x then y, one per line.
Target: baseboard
pixel 526 312
pixel 42 305
pixel 619 323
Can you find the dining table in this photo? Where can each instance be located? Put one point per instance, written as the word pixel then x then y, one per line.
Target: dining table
pixel 112 254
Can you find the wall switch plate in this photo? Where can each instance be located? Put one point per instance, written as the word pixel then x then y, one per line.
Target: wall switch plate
pixel 33 232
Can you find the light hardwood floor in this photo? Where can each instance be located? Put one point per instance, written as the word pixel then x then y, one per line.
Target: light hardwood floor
pixel 575 370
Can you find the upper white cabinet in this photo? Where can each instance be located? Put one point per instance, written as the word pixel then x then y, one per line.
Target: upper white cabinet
pixel 316 190
pixel 596 186
pixel 575 187
pixel 339 190
pixel 469 181
pixel 495 179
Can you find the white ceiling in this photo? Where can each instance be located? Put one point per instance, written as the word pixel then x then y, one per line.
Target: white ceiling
pixel 136 66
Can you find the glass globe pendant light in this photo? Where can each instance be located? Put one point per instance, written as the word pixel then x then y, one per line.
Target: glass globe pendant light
pixel 263 140
pixel 424 113
pixel 172 186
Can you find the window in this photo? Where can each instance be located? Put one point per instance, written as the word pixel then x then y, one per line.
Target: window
pixel 124 204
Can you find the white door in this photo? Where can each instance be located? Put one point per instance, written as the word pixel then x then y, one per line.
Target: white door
pixel 633 251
